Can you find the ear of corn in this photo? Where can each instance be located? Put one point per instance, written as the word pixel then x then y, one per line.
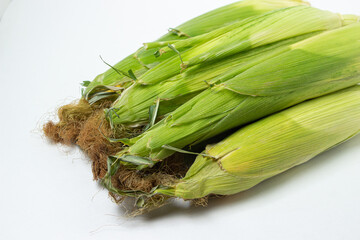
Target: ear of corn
pixel 272 145
pixel 132 107
pixel 224 17
pixel 202 24
pixel 218 109
pixel 314 56
pixel 247 34
pixel 230 13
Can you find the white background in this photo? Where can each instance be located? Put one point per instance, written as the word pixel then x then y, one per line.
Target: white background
pixel 3 5
pixel 47 48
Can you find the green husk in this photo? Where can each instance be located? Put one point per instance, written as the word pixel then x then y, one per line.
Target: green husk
pixel 140 61
pixel 271 146
pixel 247 34
pixel 132 107
pixel 350 19
pixel 325 69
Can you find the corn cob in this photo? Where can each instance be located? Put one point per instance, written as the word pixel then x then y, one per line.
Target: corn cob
pixel 316 66
pixel 271 146
pixel 247 34
pixel 132 107
pixel 262 149
pixel 194 27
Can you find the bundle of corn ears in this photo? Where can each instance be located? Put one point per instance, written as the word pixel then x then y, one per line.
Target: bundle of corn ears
pixel 220 103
